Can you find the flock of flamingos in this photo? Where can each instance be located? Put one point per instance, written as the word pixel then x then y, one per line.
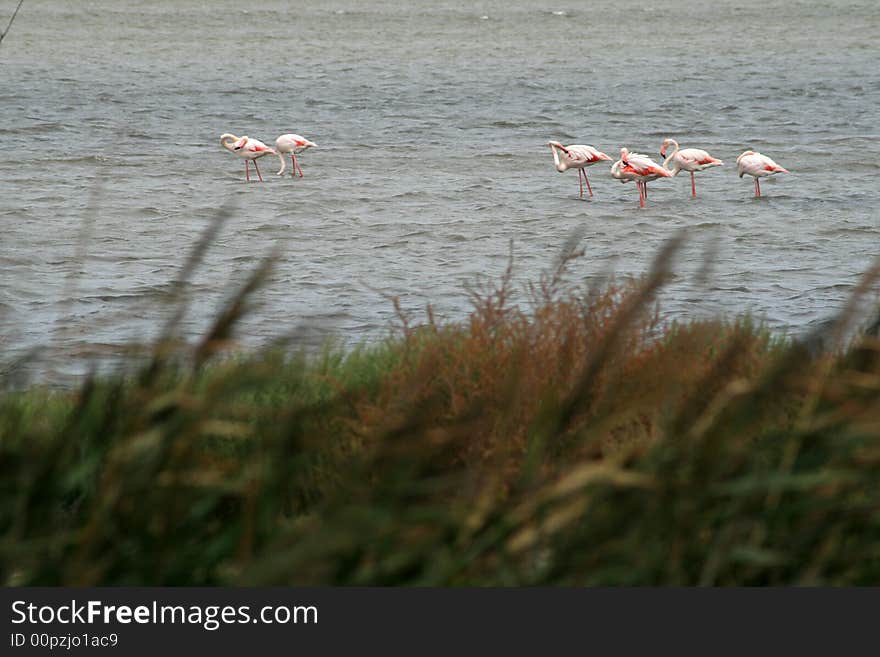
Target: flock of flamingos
pixel 631 166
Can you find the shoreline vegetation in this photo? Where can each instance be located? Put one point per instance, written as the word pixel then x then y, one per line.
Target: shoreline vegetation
pixel 573 440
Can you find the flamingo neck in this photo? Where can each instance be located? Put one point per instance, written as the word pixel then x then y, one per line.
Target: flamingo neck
pixel 670 156
pixel 560 166
pixel 227 141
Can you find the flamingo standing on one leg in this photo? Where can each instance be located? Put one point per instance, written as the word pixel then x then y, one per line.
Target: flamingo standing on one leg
pixel 641 168
pixel 576 156
pixel 250 150
pixel 292 144
pixel 688 159
pixel 757 165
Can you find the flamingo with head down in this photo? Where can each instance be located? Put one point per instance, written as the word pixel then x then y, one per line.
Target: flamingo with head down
pixel 638 167
pixel 617 171
pixel 576 156
pixel 688 159
pixel 292 144
pixel 249 149
pixel 758 166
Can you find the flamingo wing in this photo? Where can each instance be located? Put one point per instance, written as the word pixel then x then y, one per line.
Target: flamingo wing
pixel 697 157
pixel 770 166
pixel 756 164
pixel 289 142
pixel 642 165
pixel 256 146
pixel 582 152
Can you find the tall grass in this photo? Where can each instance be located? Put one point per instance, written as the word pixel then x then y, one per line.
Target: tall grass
pixel 572 440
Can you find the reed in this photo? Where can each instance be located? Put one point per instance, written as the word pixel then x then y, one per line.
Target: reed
pixel 569 439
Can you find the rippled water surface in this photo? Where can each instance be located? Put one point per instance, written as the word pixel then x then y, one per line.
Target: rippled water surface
pixel 432 120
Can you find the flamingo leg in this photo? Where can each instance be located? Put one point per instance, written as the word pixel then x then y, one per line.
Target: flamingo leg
pixel 580 183
pixel 757 187
pixel 587 180
pixel 693 186
pixel 258 170
pixel 247 171
pixel 292 166
pixel 642 194
pixel 296 164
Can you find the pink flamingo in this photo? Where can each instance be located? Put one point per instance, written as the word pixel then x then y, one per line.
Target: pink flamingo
pixel 617 171
pixel 638 167
pixel 576 156
pixel 292 144
pixel 757 165
pixel 689 159
pixel 249 149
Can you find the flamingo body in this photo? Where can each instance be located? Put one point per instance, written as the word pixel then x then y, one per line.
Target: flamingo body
pixel 638 167
pixel 576 156
pixel 687 159
pixel 248 149
pixel 757 166
pixel 292 144
pixel 619 172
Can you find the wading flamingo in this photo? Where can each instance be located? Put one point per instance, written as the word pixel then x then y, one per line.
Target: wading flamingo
pixel 249 149
pixel 638 167
pixel 292 144
pixel 688 159
pixel 757 165
pixel 576 156
pixel 617 171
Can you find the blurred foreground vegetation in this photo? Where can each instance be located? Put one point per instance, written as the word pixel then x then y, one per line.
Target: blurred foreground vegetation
pixel 573 440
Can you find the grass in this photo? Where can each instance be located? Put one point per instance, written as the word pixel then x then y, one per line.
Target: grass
pixel 574 439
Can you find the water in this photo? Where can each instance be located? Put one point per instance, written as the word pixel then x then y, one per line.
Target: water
pixel 432 120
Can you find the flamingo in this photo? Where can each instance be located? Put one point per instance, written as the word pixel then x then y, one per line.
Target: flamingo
pixel 638 167
pixel 617 171
pixel 757 165
pixel 576 156
pixel 689 159
pixel 292 144
pixel 249 149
